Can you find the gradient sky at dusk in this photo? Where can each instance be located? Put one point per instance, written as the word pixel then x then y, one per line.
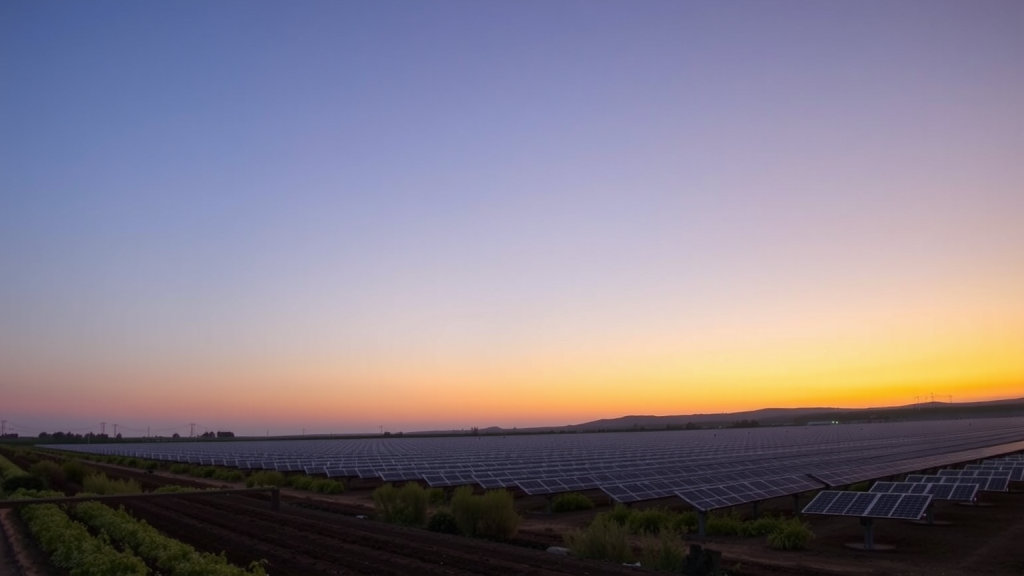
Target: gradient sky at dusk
pixel 268 216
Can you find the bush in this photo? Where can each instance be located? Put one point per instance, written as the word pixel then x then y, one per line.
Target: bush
pixel 406 505
pixel 684 522
pixel 619 514
pixel 265 478
pixel 435 496
pixel 15 483
pixel 151 465
pixel 180 468
pixel 793 535
pixel 327 486
pixel 74 471
pixel 492 515
pixel 100 484
pixel 228 475
pixel 650 521
pixel 763 526
pixel 49 472
pixel 443 522
pixel 604 539
pixel 202 471
pixel 571 502
pixel 300 482
pixel 725 525
pixel 665 553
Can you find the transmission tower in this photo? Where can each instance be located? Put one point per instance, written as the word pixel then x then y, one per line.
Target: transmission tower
pixel 103 428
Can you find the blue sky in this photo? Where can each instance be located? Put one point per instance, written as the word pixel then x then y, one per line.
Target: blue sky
pixel 409 196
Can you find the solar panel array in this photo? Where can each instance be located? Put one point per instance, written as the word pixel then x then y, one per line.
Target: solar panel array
pixel 708 468
pixel 938 491
pixel 868 504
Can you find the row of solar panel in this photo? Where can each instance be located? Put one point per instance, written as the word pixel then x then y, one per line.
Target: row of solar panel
pixel 869 504
pixel 959 492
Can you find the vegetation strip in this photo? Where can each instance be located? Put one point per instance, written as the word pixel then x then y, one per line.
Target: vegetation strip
pixel 70 545
pixel 171 556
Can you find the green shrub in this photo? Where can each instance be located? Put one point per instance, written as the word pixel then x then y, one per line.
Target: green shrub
pixel 180 468
pixel 763 526
pixel 619 514
pixel 603 539
pixel 265 478
pixel 491 515
pixel 327 486
pixel 15 483
pixel 650 521
pixel 793 535
pixel 171 488
pixel 49 472
pixel 664 553
pixel 300 482
pixel 860 486
pixel 100 484
pixel 684 522
pixel 151 465
pixel 724 525
pixel 406 505
pixel 202 471
pixel 571 502
pixel 228 475
pixel 435 496
pixel 443 522
pixel 74 471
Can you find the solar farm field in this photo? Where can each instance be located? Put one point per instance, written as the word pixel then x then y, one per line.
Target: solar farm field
pixel 704 470
pixel 708 469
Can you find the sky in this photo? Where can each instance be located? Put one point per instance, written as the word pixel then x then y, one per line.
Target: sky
pixel 270 217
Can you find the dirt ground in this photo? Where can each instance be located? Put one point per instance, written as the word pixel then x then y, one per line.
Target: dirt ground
pixel 314 535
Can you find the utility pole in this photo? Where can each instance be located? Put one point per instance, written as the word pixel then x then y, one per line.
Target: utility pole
pixel 147 431
pixel 3 428
pixel 103 428
pixel 193 433
pixel 115 430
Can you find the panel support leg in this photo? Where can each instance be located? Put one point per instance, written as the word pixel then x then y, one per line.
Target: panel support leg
pixel 869 533
pixel 702 520
pixel 756 502
pixel 796 503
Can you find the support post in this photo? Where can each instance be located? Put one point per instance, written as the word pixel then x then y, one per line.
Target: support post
pixel 702 520
pixel 869 533
pixel 796 503
pixel 756 514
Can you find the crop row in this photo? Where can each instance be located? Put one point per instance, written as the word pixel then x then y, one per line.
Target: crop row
pixel 171 556
pixel 70 545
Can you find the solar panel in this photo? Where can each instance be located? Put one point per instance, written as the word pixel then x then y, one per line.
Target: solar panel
pixel 841 503
pixel 911 506
pixel 882 487
pixel 868 504
pixel 996 485
pixel 821 502
pixel 884 505
pixel 963 492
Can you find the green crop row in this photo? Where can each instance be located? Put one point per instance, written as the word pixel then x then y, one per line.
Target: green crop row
pixel 172 557
pixel 8 469
pixel 70 545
